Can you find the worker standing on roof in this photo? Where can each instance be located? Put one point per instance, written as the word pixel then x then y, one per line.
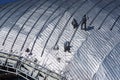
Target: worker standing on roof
pixel 75 24
pixel 84 22
pixel 67 46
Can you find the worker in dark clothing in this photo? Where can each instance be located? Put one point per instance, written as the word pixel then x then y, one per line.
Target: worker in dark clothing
pixel 84 22
pixel 27 50
pixel 35 60
pixel 67 46
pixel 75 24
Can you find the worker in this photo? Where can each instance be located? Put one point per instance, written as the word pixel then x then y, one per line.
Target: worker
pixel 67 46
pixel 84 22
pixel 75 24
pixel 27 50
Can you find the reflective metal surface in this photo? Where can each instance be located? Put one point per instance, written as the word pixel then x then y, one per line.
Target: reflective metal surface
pixel 37 30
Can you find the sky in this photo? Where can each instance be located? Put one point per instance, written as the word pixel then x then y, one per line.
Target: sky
pixel 5 1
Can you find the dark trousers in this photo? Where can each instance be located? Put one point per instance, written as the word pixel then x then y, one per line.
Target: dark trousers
pixel 83 25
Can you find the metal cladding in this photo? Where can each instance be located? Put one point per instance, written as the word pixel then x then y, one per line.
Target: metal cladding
pixel 37 30
pixel 6 1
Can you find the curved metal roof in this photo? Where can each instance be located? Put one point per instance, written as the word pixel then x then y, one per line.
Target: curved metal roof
pixel 6 1
pixel 33 28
